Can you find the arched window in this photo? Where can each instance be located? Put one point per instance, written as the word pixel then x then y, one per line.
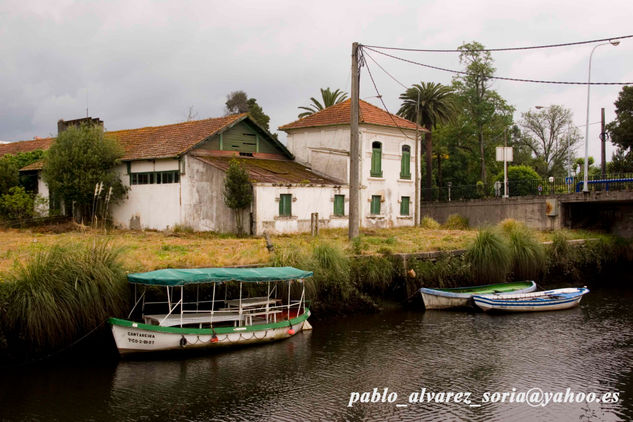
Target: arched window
pixel 376 160
pixel 405 163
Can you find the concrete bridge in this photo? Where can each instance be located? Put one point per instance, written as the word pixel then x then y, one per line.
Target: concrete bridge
pixel 611 211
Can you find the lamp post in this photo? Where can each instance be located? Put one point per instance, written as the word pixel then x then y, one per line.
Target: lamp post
pixel 585 187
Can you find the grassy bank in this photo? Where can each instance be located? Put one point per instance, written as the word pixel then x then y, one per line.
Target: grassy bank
pixel 146 251
pixel 56 287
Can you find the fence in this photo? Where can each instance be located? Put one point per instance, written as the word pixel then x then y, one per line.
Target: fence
pixel 527 187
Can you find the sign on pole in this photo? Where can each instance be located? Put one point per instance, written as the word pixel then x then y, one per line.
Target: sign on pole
pixel 508 154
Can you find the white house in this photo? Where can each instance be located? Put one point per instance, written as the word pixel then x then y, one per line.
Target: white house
pixel 387 148
pixel 175 175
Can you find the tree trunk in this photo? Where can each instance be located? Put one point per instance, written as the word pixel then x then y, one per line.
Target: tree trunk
pixel 483 156
pixel 428 155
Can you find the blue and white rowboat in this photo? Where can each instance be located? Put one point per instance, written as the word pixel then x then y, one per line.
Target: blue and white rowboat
pixel 549 300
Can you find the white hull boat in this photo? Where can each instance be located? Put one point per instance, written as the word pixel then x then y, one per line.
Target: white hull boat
pixel 461 297
pixel 210 322
pixel 549 300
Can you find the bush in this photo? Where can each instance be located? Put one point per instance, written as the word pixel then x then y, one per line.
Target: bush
pixel 522 180
pixel 528 254
pixel 63 293
pixel 510 224
pixel 429 223
pixel 456 222
pixel 489 257
pixel 17 205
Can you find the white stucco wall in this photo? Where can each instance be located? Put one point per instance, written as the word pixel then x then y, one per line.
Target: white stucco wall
pixel 42 190
pixel 390 186
pixel 326 150
pixel 154 206
pixel 305 201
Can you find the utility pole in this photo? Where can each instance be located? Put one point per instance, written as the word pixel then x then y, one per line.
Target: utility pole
pixel 603 151
pixel 354 151
pixel 417 163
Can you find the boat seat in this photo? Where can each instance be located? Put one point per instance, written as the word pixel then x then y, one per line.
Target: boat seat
pixel 171 320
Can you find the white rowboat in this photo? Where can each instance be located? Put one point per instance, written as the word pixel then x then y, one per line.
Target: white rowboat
pixel 549 300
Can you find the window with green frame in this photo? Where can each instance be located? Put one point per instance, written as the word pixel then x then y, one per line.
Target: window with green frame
pixel 155 177
pixel 285 205
pixel 376 160
pixel 375 204
pixel 339 205
pixel 405 163
pixel 404 205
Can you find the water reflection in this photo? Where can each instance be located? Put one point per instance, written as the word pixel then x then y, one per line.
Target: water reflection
pixel 311 376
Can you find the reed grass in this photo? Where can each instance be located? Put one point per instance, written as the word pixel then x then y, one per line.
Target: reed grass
pixel 528 254
pixel 489 257
pixel 429 223
pixel 456 222
pixel 64 292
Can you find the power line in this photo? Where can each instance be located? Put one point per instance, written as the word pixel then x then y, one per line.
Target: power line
pixel 383 103
pixel 461 72
pixel 499 49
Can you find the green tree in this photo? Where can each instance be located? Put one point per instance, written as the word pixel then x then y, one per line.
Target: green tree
pixel 522 180
pixel 551 136
pixel 328 99
pixel 17 205
pixel 10 164
pixel 621 129
pixel 77 160
pixel 238 102
pixel 621 162
pixel 436 105
pixel 486 111
pixel 9 175
pixel 238 192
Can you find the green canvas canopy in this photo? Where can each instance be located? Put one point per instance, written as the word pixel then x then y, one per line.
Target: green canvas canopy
pixel 181 277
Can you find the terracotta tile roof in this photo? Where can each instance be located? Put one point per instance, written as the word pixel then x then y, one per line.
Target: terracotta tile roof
pixel 150 142
pixel 25 146
pixel 169 140
pixel 340 114
pixel 271 171
pixel 38 165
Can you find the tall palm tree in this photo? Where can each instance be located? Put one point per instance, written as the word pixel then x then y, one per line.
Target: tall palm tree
pixel 328 97
pixel 437 105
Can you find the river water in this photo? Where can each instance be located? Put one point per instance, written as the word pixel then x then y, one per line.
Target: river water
pixel 313 375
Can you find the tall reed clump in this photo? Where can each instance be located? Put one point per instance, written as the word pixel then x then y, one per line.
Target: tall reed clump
pixel 63 293
pixel 528 254
pixel 372 275
pixel 456 222
pixel 489 257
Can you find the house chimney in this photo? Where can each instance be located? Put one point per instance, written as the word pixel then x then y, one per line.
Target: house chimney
pixel 62 125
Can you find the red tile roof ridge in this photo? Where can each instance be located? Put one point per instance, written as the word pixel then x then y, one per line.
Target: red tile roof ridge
pixel 339 114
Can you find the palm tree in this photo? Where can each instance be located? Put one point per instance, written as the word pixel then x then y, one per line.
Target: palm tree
pixel 436 105
pixel 329 99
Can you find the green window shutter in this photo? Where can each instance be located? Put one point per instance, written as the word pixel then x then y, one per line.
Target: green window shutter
pixel 339 204
pixel 375 204
pixel 376 160
pixel 285 207
pixel 405 165
pixel 404 205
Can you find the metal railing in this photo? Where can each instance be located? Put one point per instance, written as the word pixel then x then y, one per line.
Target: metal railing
pixel 532 187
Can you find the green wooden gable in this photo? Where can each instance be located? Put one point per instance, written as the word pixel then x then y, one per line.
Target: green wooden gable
pixel 245 137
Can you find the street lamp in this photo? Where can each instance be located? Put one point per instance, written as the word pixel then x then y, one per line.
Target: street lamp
pixel 585 187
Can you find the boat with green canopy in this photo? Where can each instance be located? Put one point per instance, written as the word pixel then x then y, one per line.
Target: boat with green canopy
pixel 212 308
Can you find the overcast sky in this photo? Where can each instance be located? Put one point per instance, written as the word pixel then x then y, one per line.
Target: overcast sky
pixel 143 63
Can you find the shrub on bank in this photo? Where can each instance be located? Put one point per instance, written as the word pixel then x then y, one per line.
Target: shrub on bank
pixel 63 293
pixel 429 223
pixel 456 222
pixel 528 254
pixel 489 257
